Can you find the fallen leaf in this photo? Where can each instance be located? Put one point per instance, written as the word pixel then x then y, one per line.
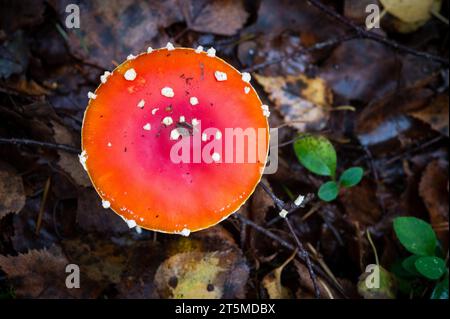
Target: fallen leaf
pixel 220 274
pixel 260 203
pixel 100 260
pixel 272 282
pixel 433 189
pixel 42 274
pixel 389 106
pixel 121 28
pixel 361 203
pixel 67 161
pixel 12 193
pixel 283 28
pixel 303 101
pixel 435 114
pixel 356 10
pixel 360 70
pixel 91 216
pixel 137 279
pixel 224 17
pixel 409 10
pixel 386 289
pixel 14 55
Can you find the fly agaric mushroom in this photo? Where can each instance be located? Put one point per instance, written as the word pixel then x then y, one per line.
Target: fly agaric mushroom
pixel 142 109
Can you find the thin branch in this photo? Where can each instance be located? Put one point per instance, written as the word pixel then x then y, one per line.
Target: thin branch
pixel 315 47
pixel 302 251
pixel 18 141
pixel 363 33
pixel 289 246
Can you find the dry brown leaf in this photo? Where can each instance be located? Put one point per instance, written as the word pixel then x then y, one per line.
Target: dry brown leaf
pixel 359 70
pixel 224 17
pixel 361 204
pixel 272 282
pixel 41 274
pixel 91 216
pixel 300 99
pixel 435 114
pixel 121 27
pixel 100 260
pixel 12 193
pixel 433 189
pixel 69 162
pixel 220 274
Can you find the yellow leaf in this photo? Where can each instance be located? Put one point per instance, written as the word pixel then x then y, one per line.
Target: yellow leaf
pixel 303 101
pixel 410 11
pixel 200 275
pixel 272 282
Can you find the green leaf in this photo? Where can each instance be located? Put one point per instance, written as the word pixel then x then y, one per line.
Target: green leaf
pixel 352 176
pixel 409 264
pixel 317 154
pixel 430 267
pixel 328 191
pixel 441 289
pixel 415 235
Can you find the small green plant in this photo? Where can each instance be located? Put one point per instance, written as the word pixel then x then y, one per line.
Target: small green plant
pixel 318 155
pixel 425 265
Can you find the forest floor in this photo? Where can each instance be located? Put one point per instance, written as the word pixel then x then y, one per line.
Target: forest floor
pixel 380 97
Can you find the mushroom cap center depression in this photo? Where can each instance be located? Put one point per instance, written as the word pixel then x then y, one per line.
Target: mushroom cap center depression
pixel 128 136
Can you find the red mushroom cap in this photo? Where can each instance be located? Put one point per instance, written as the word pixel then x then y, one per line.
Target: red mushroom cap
pixel 160 100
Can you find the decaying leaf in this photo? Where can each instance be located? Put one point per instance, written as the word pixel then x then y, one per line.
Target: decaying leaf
pixel 91 216
pixel 261 202
pixel 272 282
pixel 361 204
pixel 362 75
pixel 378 284
pixel 100 260
pixel 224 17
pixel 121 28
pixel 409 10
pixel 435 114
pixel 303 101
pixel 31 279
pixel 220 274
pixel 12 194
pixel 69 162
pixel 433 189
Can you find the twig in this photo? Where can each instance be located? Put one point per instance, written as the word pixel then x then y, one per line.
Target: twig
pixel 42 206
pixel 315 47
pixel 302 251
pixel 18 141
pixel 287 245
pixel 363 33
pixel 413 150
